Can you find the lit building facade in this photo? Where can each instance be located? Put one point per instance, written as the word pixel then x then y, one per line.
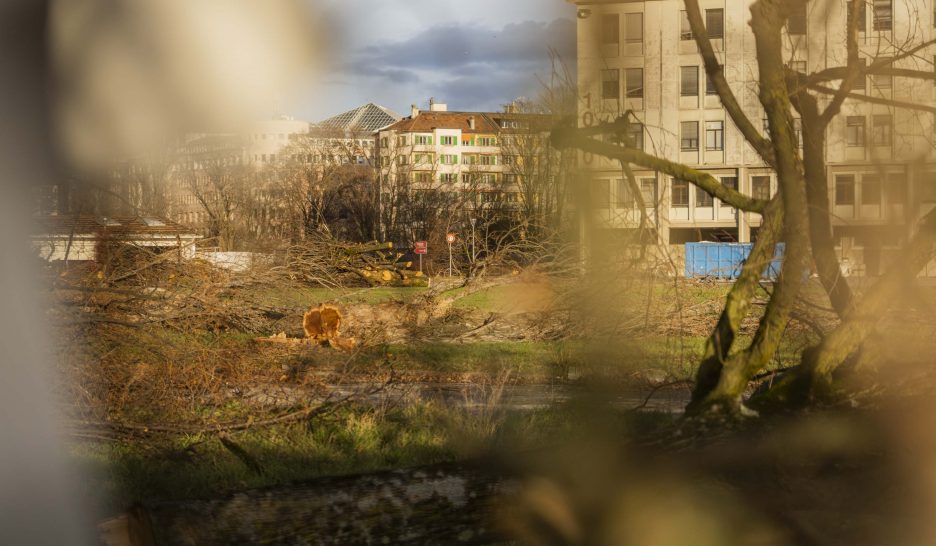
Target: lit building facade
pixel 640 56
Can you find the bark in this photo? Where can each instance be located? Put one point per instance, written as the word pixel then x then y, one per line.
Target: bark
pixel 713 70
pixel 817 198
pixel 444 504
pixel 579 138
pixel 814 377
pixel 767 19
pixel 737 307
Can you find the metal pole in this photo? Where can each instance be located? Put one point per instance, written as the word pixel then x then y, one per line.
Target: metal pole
pixel 450 259
pixel 420 263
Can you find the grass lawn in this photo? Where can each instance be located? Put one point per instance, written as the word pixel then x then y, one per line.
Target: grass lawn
pixel 350 441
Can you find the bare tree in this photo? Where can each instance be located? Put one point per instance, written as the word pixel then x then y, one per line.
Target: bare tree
pixel 800 215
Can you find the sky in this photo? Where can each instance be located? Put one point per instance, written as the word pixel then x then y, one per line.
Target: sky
pixel 470 54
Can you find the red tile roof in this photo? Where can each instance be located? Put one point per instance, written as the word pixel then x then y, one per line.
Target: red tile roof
pixel 429 121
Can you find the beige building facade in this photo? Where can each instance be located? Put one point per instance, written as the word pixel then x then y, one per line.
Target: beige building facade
pixel 640 56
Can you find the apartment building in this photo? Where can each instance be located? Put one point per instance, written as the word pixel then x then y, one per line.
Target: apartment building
pixel 481 154
pixel 640 56
pixel 267 138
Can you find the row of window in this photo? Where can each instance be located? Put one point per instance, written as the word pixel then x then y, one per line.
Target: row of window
pixel 679 191
pixel 610 32
pixel 882 130
pixel 871 189
pixel 689 136
pixel 690 76
pixel 450 159
pixel 425 177
pixel 466 197
pixel 444 140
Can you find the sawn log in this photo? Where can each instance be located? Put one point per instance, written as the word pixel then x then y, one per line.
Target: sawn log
pixel 440 504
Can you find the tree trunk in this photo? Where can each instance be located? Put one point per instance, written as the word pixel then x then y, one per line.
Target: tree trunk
pixel 820 217
pixel 737 306
pixel 814 375
pixel 767 19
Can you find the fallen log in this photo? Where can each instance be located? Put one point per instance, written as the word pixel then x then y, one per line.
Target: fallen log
pixel 440 504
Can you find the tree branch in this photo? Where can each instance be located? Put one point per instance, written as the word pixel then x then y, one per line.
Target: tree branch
pixel 576 138
pixel 716 75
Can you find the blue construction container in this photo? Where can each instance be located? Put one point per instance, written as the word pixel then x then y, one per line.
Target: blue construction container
pixel 724 260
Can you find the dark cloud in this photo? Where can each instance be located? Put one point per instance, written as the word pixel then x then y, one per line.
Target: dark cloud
pixel 469 65
pixel 451 46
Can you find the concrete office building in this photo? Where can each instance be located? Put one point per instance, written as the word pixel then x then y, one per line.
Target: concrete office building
pixel 640 56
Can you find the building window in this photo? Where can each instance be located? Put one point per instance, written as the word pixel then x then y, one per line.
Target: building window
pixel 796 24
pixel 883 82
pixel 760 187
pixel 730 182
pixel 883 14
pixel 449 178
pixel 449 159
pixel 855 131
pixel 689 81
pixel 448 140
pixel 689 136
pixel 401 141
pixel 870 189
pixel 633 28
pixel 862 14
pixel 703 198
pixel 680 190
pixel 610 84
pixel 423 140
pixel 601 194
pixel 610 29
pixel 635 133
pixel 883 128
pixel 488 159
pixel 845 189
pixel 685 29
pixel 714 135
pixel 798 131
pixel 897 188
pixel 648 190
pixel 633 81
pixel 623 198
pixel 715 23
pixel 422 177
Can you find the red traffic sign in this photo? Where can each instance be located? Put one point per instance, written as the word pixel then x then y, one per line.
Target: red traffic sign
pixel 421 247
pixel 450 238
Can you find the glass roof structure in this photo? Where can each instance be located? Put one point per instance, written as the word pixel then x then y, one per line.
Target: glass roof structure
pixel 369 117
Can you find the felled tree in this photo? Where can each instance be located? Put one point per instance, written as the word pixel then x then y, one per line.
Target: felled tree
pixel 800 214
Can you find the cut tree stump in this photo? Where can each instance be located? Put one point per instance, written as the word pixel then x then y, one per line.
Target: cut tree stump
pixel 441 504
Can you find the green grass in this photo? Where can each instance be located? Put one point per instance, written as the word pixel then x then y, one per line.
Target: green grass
pixel 351 441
